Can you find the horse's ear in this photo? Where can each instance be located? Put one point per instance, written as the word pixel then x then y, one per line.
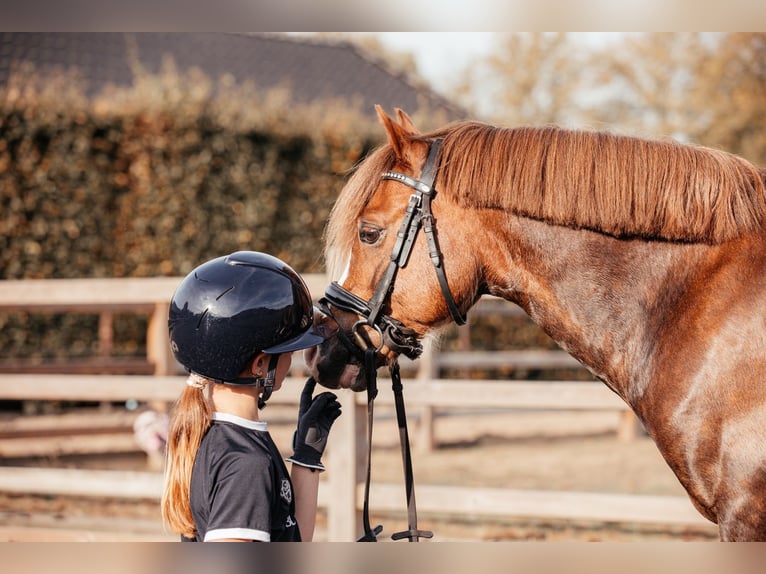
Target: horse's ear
pixel 398 134
pixel 406 122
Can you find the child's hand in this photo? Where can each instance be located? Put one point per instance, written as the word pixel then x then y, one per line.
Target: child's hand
pixel 315 418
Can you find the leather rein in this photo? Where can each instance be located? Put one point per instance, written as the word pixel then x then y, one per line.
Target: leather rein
pixel 392 332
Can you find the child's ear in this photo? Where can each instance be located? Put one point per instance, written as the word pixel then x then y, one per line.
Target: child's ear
pixel 259 365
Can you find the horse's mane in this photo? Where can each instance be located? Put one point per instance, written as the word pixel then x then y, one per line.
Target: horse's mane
pixel 619 185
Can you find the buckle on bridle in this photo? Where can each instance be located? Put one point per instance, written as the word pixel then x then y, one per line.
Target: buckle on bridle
pixel 362 339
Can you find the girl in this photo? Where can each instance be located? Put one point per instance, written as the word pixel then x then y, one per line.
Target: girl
pixel 234 323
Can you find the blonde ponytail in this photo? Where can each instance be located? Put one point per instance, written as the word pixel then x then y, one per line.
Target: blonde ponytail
pixel 190 420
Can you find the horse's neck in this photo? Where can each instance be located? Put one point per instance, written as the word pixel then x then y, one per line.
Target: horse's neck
pixel 597 297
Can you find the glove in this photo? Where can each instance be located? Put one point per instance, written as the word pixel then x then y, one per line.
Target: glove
pixel 315 417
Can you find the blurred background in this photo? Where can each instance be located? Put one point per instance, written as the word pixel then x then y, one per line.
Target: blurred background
pixel 140 155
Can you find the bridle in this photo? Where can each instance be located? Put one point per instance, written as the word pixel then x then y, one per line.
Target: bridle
pixel 392 332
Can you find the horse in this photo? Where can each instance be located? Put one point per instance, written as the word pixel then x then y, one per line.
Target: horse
pixel 644 259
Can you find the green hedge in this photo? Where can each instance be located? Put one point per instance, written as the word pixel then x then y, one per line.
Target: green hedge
pixel 154 180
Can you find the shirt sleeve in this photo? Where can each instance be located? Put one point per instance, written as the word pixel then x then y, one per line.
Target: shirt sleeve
pixel 241 499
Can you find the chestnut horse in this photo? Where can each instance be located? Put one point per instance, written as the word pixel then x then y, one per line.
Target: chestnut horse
pixel 645 260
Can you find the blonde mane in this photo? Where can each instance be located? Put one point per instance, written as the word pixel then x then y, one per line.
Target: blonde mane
pixel 618 185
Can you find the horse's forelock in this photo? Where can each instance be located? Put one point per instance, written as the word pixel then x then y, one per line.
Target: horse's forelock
pixel 341 231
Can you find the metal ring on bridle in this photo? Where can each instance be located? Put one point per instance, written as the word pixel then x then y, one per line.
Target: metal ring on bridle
pixel 363 339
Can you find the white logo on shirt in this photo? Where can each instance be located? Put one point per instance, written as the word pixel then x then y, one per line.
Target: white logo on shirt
pixel 286 492
pixel 290 522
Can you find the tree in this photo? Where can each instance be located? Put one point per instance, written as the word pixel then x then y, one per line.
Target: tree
pixel 703 88
pixel 698 87
pixel 736 82
pixel 530 79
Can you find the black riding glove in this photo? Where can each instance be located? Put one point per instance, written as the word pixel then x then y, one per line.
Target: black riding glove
pixel 315 417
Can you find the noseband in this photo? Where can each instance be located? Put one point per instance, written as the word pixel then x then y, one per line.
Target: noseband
pixel 394 334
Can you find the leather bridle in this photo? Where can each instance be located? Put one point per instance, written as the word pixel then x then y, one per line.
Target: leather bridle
pixel 392 332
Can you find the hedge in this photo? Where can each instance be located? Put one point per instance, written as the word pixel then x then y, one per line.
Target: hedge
pixel 155 179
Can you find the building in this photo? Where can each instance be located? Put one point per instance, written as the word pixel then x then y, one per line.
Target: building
pixel 312 69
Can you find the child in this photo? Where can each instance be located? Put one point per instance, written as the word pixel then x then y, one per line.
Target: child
pixel 234 323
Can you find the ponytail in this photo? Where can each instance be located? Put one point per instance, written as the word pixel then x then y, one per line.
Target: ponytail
pixel 190 420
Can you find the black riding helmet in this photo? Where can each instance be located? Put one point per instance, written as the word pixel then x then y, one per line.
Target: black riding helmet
pixel 231 308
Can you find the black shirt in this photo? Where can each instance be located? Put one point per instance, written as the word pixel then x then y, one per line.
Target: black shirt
pixel 240 487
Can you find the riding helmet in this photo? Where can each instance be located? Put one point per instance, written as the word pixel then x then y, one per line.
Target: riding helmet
pixel 229 309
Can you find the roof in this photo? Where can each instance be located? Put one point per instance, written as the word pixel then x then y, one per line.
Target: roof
pixel 313 69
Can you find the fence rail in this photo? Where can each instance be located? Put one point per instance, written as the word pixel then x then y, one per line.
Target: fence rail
pixel 341 495
pixel 496 502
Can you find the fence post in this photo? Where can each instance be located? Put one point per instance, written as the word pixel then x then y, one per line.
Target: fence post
pixel 629 426
pixel 346 464
pixel 157 341
pixel 158 347
pixel 105 343
pixel 105 333
pixel 427 370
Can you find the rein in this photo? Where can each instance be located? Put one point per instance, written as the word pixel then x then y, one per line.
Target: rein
pixel 413 534
pixel 393 333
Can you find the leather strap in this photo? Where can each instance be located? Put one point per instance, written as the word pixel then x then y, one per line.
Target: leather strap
pixel 370 534
pixel 412 533
pixel 418 212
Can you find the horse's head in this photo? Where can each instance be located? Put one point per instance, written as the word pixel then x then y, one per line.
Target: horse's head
pixel 399 276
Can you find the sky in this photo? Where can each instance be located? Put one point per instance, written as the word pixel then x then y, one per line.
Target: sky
pixel 440 56
pixel 443 57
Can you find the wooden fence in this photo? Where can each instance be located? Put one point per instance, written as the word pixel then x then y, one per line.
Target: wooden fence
pixel 342 497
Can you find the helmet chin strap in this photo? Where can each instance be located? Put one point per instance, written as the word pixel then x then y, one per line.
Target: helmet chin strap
pixel 268 381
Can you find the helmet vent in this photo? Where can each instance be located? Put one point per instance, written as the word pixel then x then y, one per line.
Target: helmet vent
pixel 224 293
pixel 202 318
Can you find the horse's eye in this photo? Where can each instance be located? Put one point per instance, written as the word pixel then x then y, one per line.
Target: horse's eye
pixel 370 235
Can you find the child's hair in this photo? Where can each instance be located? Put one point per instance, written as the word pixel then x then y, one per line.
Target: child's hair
pixel 190 420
